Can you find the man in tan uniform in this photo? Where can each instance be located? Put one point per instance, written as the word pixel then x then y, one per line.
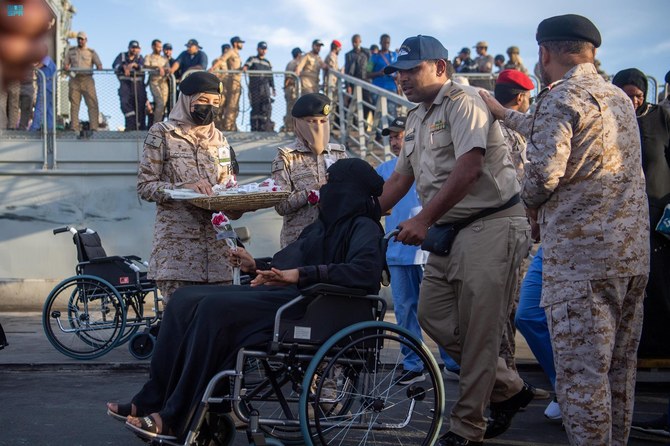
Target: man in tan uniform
pixel 158 84
pixel 464 176
pixel 291 88
pixel 584 182
pixel 309 68
pixel 233 87
pixel 81 83
pixel 333 65
pixel 221 113
pixel 301 166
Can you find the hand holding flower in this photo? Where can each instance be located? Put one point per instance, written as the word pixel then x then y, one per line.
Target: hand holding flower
pixel 241 257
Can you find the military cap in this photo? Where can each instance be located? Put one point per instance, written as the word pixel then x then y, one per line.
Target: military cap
pixel 192 42
pixel 317 42
pixel 397 125
pixel 513 50
pixel 481 44
pixel 263 45
pixel 236 39
pixel 515 79
pixel 569 27
pixel 295 51
pixel 225 47
pixel 167 46
pixel 336 43
pixel 201 82
pixel 465 50
pixel 81 35
pixel 415 50
pixel 311 104
pixel 133 44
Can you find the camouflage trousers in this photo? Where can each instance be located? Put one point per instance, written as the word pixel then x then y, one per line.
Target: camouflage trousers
pixel 595 328
pixel 168 287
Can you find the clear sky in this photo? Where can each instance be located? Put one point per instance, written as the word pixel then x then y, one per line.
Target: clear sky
pixel 635 33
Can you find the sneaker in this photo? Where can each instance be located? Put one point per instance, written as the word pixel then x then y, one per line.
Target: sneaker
pixel 659 426
pixel 553 410
pixel 503 412
pixel 409 377
pixel 452 439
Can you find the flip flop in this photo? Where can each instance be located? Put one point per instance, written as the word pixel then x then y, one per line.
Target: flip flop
pixel 149 429
pixel 122 411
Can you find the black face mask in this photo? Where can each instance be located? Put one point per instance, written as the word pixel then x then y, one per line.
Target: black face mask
pixel 203 114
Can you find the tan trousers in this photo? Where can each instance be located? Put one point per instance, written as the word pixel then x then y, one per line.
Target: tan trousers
pixel 595 331
pixel 233 91
pixel 83 85
pixel 463 307
pixel 309 85
pixel 159 90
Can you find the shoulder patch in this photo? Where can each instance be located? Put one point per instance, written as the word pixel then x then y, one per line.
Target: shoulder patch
pixel 277 164
pixel 153 140
pixel 286 149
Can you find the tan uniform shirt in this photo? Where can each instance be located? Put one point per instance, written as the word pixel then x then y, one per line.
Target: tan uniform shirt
pixel 290 81
pixel 80 58
pixel 456 122
pixel 309 66
pixel 584 172
pixel 333 65
pixel 298 169
pixel 154 62
pixel 184 243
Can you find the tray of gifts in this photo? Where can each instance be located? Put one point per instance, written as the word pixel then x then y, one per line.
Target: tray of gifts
pixel 234 197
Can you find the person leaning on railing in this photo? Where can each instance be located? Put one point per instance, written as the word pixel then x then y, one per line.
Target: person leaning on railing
pixel 81 59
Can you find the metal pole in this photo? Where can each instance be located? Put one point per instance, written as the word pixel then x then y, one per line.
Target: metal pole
pixel 358 92
pixel 340 111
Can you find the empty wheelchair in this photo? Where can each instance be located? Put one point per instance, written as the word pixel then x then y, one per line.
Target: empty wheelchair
pixel 329 377
pixel 103 305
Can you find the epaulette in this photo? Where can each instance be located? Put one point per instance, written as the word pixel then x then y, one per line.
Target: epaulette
pixel 337 147
pixel 455 91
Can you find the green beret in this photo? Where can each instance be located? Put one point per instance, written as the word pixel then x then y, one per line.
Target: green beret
pixel 201 82
pixel 311 104
pixel 568 27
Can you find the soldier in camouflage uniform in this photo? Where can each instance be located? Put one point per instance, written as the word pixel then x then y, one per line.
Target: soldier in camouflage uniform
pixel 301 166
pixel 584 182
pixel 186 151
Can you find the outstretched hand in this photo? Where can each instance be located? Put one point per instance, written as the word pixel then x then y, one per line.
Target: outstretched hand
pixel 276 277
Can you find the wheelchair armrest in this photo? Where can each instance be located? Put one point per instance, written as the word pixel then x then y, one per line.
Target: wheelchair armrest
pixel 326 288
pixel 104 259
pixel 133 257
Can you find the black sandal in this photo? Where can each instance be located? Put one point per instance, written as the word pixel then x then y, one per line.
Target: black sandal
pixel 149 429
pixel 123 411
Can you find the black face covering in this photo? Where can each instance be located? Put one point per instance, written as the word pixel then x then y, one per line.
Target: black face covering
pixel 203 114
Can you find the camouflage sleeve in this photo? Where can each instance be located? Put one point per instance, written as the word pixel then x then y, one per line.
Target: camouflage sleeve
pixel 521 122
pixel 282 177
pixel 548 149
pixel 149 183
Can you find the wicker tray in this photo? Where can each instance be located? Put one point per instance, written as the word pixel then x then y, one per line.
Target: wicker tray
pixel 240 202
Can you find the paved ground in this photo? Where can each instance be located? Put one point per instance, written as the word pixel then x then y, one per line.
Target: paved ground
pixel 48 399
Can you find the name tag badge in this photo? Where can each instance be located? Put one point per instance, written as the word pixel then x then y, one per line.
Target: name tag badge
pixel 409 135
pixel 224 156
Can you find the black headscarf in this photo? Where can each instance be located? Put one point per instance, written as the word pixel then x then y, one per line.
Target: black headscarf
pixel 351 192
pixel 635 77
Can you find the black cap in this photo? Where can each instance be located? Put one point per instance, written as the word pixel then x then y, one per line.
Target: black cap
pixel 311 104
pixel 167 46
pixel 201 82
pixel 415 50
pixel 569 27
pixel 317 42
pixel 295 51
pixel 133 44
pixel 397 125
pixel 465 50
pixel 236 39
pixel 225 47
pixel 262 45
pixel 192 42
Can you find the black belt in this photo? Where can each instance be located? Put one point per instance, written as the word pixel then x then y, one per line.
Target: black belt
pixel 460 224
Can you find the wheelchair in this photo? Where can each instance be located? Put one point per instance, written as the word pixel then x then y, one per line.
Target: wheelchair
pixel 103 305
pixel 329 377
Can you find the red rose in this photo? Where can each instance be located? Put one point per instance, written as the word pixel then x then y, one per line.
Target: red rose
pixel 275 189
pixel 313 197
pixel 218 219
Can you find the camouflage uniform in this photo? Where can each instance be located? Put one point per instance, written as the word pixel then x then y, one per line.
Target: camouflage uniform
pixel 184 245
pixel 158 85
pixel 298 169
pixel 585 176
pixel 465 296
pixel 309 68
pixel 290 94
pixel 82 84
pixel 230 61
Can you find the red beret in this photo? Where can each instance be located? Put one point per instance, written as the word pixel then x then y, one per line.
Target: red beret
pixel 515 78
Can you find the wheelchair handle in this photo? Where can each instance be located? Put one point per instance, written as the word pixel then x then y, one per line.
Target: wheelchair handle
pixel 72 230
pixel 392 234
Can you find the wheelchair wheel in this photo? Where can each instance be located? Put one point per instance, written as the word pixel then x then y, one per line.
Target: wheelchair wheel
pixel 83 317
pixel 134 303
pixel 141 345
pixel 372 409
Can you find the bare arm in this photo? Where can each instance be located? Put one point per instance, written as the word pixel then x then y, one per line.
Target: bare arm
pixel 394 189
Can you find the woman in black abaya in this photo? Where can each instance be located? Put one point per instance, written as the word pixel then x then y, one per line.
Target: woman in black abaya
pixel 204 326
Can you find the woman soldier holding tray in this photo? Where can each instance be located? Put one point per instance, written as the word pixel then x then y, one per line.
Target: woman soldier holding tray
pixel 300 167
pixel 187 151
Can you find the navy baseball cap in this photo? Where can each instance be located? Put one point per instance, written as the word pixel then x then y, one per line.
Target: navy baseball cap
pixel 236 39
pixel 192 42
pixel 415 50
pixel 167 46
pixel 397 125
pixel 295 51
pixel 133 44
pixel 263 45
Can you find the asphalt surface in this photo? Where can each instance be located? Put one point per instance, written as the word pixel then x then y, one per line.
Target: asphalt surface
pixel 49 399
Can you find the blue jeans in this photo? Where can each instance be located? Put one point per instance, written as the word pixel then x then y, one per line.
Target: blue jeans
pixel 405 283
pixel 531 320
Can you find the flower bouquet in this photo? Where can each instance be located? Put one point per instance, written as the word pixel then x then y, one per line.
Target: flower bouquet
pixel 224 231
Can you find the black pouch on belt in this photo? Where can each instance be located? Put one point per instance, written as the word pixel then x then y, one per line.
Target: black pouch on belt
pixel 440 237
